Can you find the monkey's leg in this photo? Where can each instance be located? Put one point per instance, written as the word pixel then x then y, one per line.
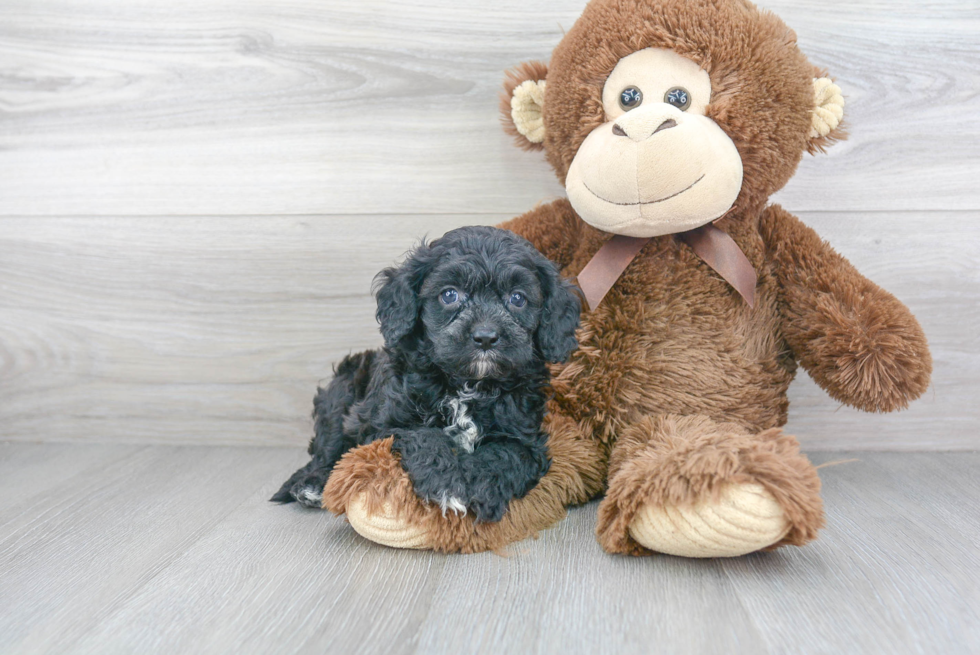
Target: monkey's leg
pixel 370 486
pixel 689 486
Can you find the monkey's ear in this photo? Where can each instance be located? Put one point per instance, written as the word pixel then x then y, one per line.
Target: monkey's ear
pixel 522 104
pixel 828 111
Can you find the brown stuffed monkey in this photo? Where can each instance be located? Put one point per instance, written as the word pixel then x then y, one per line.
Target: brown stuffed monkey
pixel 671 123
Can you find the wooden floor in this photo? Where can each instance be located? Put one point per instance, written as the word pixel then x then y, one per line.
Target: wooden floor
pixel 175 549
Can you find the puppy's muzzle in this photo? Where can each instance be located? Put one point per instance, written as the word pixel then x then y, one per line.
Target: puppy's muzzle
pixel 485 337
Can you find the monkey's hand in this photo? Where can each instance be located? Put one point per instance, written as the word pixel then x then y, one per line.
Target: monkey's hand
pixel 856 340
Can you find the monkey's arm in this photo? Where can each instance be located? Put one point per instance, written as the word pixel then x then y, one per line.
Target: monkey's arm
pixel 549 228
pixel 856 340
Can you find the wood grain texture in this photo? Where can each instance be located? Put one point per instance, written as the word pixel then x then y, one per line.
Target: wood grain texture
pixel 216 330
pixel 236 107
pixel 886 544
pixel 277 579
pixel 21 462
pixel 564 594
pixel 76 552
pixel 932 264
pixel 200 562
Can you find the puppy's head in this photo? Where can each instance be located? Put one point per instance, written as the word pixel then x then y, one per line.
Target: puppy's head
pixel 481 303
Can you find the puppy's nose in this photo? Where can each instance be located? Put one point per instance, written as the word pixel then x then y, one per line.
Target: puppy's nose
pixel 485 337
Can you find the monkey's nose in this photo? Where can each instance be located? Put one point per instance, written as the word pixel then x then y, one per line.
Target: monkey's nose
pixel 485 337
pixel 639 131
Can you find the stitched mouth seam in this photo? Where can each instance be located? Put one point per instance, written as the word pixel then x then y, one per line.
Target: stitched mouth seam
pixel 651 202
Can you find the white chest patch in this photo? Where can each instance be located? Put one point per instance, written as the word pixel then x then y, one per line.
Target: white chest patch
pixel 462 429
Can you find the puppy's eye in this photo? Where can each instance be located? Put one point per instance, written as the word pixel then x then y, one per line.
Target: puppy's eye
pixel 449 296
pixel 518 299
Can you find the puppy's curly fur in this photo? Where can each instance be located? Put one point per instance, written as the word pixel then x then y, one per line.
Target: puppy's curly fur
pixel 470 322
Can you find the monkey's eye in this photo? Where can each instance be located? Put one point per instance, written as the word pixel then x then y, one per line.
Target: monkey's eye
pixel 630 98
pixel 449 296
pixel 518 299
pixel 678 97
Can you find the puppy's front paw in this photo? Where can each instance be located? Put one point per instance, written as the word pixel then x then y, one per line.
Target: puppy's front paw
pixel 489 509
pixel 452 504
pixel 428 458
pixel 444 491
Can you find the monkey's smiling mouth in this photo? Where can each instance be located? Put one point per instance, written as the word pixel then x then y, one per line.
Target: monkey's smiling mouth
pixel 646 202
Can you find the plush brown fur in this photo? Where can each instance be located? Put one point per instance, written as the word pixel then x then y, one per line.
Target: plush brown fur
pixel 856 340
pixel 576 475
pixel 677 460
pixel 762 89
pixel 679 387
pixel 531 70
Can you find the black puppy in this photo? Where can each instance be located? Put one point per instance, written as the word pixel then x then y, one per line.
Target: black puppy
pixel 469 323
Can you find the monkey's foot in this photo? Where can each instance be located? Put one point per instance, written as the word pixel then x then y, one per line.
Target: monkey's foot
pixel 384 526
pixel 690 486
pixel 370 486
pixel 745 518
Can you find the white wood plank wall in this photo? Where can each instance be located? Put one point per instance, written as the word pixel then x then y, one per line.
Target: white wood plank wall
pixel 194 197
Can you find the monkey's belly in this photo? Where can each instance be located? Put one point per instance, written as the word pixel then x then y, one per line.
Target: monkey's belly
pixel 683 367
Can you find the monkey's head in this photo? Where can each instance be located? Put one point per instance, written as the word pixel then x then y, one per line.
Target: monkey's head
pixel 660 116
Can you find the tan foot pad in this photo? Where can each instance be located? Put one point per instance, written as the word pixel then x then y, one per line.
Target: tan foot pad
pixel 384 527
pixel 744 519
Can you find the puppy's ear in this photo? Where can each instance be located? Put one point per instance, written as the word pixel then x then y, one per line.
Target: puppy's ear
pixel 560 318
pixel 397 292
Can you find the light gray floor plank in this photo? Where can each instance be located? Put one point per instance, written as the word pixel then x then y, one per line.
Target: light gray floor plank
pixel 277 578
pixel 375 106
pixel 169 329
pixel 201 562
pixel 29 469
pixel 886 576
pixel 91 542
pixel 563 594
pixel 944 502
